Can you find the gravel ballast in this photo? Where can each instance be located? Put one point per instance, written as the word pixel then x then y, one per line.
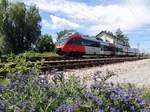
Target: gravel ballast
pixel 137 72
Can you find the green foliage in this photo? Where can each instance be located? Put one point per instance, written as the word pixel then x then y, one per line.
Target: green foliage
pixel 30 54
pixel 3 5
pixel 29 92
pixel 123 38
pixel 18 64
pixel 61 33
pixel 45 44
pixel 20 26
pixel 146 94
pixel 4 81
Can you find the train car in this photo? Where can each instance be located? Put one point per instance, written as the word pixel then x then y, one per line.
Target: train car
pixel 75 44
pixel 133 52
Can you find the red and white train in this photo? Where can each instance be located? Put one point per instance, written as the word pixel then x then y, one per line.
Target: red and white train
pixel 75 44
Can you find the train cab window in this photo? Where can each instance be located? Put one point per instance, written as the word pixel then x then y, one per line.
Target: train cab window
pixel 74 41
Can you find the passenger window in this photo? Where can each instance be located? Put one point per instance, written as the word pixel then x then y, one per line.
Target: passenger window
pixel 90 43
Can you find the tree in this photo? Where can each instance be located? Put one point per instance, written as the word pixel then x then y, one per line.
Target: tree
pixel 3 6
pixel 45 43
pixel 121 37
pixel 61 34
pixel 20 27
pixel 126 41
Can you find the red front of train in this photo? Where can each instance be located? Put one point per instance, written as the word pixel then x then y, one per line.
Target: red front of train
pixel 66 47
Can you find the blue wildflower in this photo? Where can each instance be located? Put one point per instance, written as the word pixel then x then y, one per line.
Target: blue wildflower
pixel 45 97
pixel 12 83
pixel 141 103
pixel 20 85
pixel 125 98
pixel 114 110
pixel 145 110
pixel 20 94
pixel 32 107
pixel 1 86
pixel 2 107
pixel 58 109
pixel 22 105
pixel 101 110
pixel 94 98
pixel 98 86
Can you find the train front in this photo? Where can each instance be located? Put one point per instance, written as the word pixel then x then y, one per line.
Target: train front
pixel 61 43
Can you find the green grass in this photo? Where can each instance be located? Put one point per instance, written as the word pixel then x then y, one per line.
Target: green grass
pixel 37 54
pixel 146 94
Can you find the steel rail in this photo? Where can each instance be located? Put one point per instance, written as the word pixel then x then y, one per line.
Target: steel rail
pixel 81 63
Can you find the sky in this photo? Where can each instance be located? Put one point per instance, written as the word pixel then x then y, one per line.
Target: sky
pixel 92 16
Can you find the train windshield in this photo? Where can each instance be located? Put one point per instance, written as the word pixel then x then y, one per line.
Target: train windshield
pixel 64 38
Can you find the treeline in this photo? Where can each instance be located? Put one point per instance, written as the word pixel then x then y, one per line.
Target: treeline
pixel 20 29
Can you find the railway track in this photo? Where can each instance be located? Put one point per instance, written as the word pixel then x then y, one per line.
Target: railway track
pixel 64 63
pixel 82 63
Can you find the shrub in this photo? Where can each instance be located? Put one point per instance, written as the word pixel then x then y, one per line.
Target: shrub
pixel 29 92
pixel 45 44
pixel 18 64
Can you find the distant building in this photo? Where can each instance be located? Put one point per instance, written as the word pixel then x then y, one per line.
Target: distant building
pixel 108 37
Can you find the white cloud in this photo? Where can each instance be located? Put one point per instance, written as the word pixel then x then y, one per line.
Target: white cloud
pixel 127 15
pixel 46 24
pixel 58 22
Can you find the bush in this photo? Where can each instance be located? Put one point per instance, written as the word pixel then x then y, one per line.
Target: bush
pixel 30 54
pixel 29 92
pixel 18 64
pixel 45 44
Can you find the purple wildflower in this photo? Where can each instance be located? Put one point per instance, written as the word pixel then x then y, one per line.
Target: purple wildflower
pixel 1 86
pixel 22 105
pixel 2 107
pixel 125 98
pixel 100 110
pixel 20 85
pixel 145 110
pixel 141 103
pixel 45 97
pixel 20 94
pixel 132 108
pixel 94 98
pixel 114 110
pixel 98 86
pixel 32 107
pixel 113 97
pixel 12 83
pixel 58 109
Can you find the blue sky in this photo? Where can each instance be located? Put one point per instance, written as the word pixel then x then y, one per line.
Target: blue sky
pixel 93 16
